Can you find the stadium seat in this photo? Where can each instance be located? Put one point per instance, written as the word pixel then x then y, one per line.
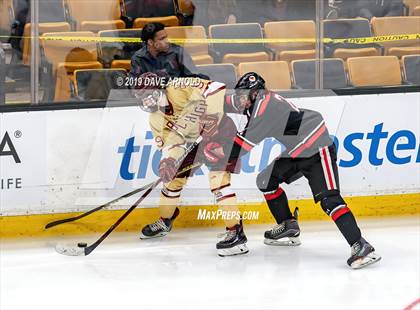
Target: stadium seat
pixel 198 51
pixel 412 5
pixel 224 73
pixel 374 71
pixel 94 15
pixel 411 69
pixel 236 53
pixel 6 18
pixel 398 25
pixel 304 73
pixel 275 73
pixel 349 28
pixel 52 18
pixel 118 54
pixel 147 11
pixel 289 51
pixel 42 28
pixel 67 56
pixel 168 21
pixel 289 56
pixel 96 84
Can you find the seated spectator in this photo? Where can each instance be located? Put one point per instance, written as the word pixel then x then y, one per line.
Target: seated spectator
pixel 260 11
pixel 370 8
pixel 210 12
pixel 300 9
pixel 161 57
pixel 151 8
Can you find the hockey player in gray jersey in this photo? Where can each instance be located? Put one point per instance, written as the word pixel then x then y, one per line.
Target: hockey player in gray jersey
pixel 309 152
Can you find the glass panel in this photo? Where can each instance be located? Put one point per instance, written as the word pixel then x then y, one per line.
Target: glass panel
pixel 370 62
pixel 228 38
pixel 69 45
pixel 15 73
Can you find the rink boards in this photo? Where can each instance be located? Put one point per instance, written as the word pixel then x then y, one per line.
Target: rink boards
pixel 64 161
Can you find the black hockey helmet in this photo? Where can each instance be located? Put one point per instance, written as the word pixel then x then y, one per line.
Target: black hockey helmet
pixel 250 80
pixel 250 84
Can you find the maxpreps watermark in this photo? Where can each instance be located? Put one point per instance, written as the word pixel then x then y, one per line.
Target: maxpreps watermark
pixel 204 215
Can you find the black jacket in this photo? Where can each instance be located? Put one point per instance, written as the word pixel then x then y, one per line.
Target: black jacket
pixel 174 63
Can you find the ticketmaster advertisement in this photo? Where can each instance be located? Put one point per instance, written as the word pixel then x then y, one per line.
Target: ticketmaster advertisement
pixel 72 160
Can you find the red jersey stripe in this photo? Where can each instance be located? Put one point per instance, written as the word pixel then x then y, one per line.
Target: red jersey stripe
pixel 328 168
pixel 243 144
pixel 309 142
pixel 264 104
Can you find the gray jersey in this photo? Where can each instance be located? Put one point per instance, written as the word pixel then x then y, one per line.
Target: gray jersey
pixel 301 131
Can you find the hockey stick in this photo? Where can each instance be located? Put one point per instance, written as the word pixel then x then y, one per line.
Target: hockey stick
pixel 78 217
pixel 86 250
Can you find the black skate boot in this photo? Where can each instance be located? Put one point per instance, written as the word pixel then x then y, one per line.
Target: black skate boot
pixel 286 234
pixel 362 255
pixel 234 242
pixel 159 228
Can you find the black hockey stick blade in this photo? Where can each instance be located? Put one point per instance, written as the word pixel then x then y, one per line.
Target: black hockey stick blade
pixel 84 251
pixel 72 250
pixel 78 217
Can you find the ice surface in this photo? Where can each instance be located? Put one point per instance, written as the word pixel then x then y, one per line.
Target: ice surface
pixel 182 271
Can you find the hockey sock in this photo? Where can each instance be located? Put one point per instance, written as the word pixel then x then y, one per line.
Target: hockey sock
pixel 279 205
pixel 228 204
pixel 346 223
pixel 225 197
pixel 168 202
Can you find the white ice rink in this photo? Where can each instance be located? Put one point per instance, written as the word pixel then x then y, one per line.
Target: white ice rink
pixel 182 271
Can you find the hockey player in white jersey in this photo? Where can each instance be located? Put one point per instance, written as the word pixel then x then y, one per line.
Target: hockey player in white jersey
pixel 179 113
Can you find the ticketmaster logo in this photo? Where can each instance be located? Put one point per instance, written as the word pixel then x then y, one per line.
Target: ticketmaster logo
pixel 204 214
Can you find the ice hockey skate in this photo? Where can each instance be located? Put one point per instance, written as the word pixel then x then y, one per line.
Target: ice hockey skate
pixel 233 242
pixel 362 255
pixel 284 234
pixel 160 228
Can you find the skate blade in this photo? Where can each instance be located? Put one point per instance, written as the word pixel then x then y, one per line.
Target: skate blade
pixel 288 241
pixel 159 235
pixel 369 259
pixel 236 250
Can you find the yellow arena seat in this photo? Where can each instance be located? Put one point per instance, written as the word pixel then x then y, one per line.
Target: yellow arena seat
pixel 374 71
pixel 168 21
pixel 293 30
pixel 68 56
pixel 275 73
pixel 94 15
pixel 6 15
pixel 398 25
pixel 198 51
